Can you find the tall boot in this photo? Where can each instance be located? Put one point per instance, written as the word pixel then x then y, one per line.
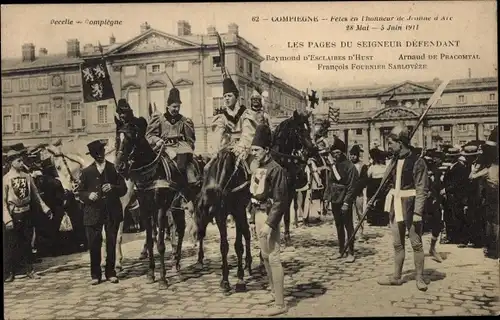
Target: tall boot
pixel 433 252
pixel 419 267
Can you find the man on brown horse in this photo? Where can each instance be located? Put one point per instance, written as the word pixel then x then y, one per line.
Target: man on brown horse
pixel 233 116
pixel 177 133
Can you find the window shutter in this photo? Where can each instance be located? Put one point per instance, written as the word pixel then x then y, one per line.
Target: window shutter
pixel 162 67
pixel 68 115
pixel 83 112
pixel 149 68
pixel 36 117
pixel 17 119
pixel 110 112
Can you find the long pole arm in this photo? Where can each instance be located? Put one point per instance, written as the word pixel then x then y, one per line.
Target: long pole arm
pixel 430 103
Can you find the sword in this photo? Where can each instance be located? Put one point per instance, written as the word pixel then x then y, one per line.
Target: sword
pixel 392 165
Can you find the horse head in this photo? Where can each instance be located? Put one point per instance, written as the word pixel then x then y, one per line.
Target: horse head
pixel 130 138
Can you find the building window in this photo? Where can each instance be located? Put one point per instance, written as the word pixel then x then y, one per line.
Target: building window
pixel 129 71
pixel 74 80
pixel 7 86
pixel 461 99
pixel 492 97
pixel 77 121
pixel 257 73
pixel 156 68
pixel 359 132
pixel 462 142
pixel 217 101
pixel 358 105
pixel 25 111
pixel 24 84
pixel 44 117
pixel 102 114
pixel 134 102
pixel 215 62
pixel 249 68
pixel 182 66
pixel 7 120
pixel 157 99
pixel 462 127
pixel 43 83
pixel 241 64
pixel 447 127
pixel 490 126
pixel 186 107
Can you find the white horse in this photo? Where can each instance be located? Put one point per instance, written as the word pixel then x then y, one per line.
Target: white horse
pixel 69 166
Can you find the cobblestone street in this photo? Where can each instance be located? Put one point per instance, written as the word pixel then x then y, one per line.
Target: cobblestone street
pixel 464 284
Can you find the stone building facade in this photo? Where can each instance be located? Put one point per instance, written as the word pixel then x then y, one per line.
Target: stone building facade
pixel 42 93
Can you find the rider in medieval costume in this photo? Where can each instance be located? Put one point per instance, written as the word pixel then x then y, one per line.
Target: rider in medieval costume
pixel 177 133
pixel 228 119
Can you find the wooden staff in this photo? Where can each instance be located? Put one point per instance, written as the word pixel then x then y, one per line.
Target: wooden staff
pixel 432 101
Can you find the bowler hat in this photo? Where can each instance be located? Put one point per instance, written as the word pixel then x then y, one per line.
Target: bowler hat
pixel 96 145
pixel 14 154
pixel 356 150
pixel 122 106
pixel 453 152
pixel 470 150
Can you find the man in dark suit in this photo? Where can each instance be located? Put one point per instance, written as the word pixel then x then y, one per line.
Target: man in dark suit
pixel 100 189
pixel 455 183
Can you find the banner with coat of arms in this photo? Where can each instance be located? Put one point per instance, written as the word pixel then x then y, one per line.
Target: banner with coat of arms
pixel 96 82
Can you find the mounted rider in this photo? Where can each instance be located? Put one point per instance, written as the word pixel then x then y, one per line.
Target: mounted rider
pixel 177 133
pixel 234 115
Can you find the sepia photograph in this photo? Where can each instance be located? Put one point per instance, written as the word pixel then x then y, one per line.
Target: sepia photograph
pixel 250 159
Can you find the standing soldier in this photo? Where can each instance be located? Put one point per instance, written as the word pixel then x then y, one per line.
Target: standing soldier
pixel 341 189
pixel 432 212
pixel 100 190
pixel 177 132
pixel 269 192
pixel 20 200
pixel 405 202
pixel 454 181
pixel 359 203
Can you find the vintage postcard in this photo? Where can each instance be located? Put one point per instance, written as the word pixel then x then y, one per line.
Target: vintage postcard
pixel 303 159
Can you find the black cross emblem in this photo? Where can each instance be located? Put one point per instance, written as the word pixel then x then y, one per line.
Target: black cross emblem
pixel 313 100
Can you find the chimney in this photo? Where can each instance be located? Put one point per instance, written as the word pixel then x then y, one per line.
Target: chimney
pixel 233 28
pixel 112 39
pixel 183 28
pixel 470 73
pixel 145 27
pixel 42 52
pixel 211 31
pixel 28 52
pixel 73 48
pixel 88 48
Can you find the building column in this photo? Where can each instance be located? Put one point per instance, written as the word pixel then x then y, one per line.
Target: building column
pixel 419 135
pixel 428 137
pixel 453 134
pixel 480 131
pixel 375 135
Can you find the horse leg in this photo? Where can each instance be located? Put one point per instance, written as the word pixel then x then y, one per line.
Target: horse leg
pixel 221 220
pixel 296 208
pixel 179 223
pixel 149 245
pixel 119 253
pixel 245 230
pixel 286 218
pixel 160 246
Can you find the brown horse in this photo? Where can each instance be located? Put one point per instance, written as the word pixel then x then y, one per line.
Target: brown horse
pixel 156 181
pixel 225 191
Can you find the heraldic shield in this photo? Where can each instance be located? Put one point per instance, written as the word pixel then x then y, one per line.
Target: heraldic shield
pixel 20 187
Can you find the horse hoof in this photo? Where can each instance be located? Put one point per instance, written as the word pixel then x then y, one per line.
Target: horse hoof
pixel 225 286
pixel 119 268
pixel 178 266
pixel 241 286
pixel 143 256
pixel 150 279
pixel 199 265
pixel 163 284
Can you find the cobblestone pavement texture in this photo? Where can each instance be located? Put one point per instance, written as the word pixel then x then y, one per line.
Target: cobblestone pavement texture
pixel 465 283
